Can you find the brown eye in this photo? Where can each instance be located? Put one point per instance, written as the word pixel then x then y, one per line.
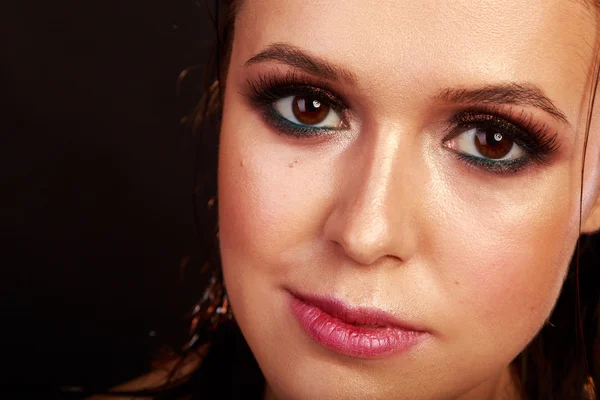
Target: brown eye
pixel 485 143
pixel 492 144
pixel 309 110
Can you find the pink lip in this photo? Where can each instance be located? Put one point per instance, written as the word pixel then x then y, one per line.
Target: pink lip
pixel 356 332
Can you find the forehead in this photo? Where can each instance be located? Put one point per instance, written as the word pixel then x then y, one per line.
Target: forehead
pixel 395 44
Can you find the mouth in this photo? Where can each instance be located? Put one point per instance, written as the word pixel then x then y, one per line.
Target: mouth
pixel 356 332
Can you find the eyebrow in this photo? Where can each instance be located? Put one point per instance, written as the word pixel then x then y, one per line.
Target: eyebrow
pixel 297 58
pixel 523 94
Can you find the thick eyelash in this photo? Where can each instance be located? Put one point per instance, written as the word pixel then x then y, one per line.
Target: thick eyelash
pixel 267 89
pixel 536 138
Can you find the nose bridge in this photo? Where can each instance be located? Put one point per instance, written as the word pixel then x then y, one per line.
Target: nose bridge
pixel 373 213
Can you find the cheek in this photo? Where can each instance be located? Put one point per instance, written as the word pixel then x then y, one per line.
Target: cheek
pixel 506 258
pixel 273 199
pixel 272 202
pixel 264 202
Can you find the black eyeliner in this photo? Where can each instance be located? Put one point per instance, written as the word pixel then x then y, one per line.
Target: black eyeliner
pixel 537 139
pixel 281 124
pixel 271 87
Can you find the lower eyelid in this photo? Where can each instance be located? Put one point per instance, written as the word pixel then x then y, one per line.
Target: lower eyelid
pixel 495 167
pixel 282 125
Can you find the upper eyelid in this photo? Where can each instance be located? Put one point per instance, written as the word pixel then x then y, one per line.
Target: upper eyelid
pixel 290 82
pixel 506 94
pixel 502 93
pixel 518 138
pixel 522 120
pixel 267 89
pixel 323 93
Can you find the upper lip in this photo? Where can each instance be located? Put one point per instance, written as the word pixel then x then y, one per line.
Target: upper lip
pixel 356 315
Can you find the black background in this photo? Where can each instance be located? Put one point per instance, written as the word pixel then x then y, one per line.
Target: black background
pixel 97 176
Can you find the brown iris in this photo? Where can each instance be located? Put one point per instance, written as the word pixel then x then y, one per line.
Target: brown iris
pixel 309 110
pixel 492 144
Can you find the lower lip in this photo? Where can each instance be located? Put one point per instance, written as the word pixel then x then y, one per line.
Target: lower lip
pixel 352 340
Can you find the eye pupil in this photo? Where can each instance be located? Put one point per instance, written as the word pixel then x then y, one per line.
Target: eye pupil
pixel 492 144
pixel 309 110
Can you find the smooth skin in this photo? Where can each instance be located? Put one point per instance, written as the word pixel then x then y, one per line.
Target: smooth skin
pixel 383 214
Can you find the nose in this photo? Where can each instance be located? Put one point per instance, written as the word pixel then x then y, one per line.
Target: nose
pixel 374 212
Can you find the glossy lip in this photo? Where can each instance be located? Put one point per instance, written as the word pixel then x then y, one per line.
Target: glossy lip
pixel 356 332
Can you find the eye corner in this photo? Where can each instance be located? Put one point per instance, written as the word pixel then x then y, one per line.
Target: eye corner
pixel 447 140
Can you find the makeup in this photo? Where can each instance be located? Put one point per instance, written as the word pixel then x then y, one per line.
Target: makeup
pixel 356 332
pixel 268 89
pixel 534 140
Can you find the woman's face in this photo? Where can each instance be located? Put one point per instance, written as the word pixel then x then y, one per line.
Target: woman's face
pixel 399 188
